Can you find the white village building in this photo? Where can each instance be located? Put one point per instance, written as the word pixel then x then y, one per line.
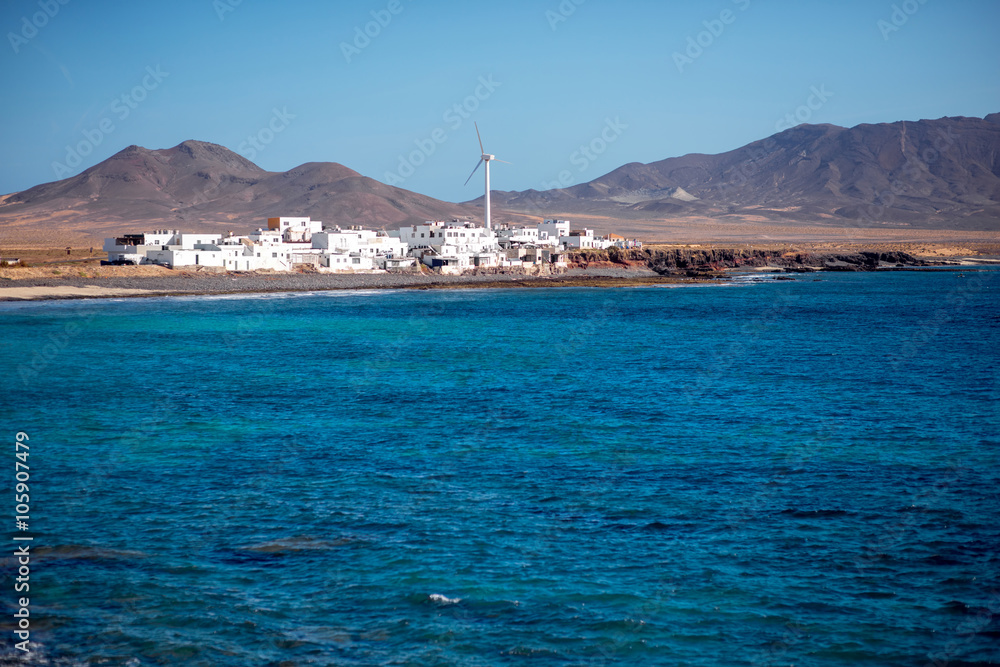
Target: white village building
pixel 285 243
pixel 360 249
pixel 453 247
pixel 450 247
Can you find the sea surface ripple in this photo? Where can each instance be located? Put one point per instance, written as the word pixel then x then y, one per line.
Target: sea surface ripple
pixel 802 472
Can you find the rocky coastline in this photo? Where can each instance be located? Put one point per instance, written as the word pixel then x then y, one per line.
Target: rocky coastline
pixel 706 262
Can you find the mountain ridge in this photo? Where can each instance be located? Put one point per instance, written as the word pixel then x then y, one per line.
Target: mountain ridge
pixel 202 186
pixel 928 174
pixel 923 174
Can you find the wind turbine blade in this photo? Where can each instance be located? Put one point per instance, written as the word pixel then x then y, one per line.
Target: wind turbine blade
pixel 478 164
pixel 496 160
pixel 481 149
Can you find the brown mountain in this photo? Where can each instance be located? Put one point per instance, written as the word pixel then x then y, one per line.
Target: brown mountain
pixel 928 174
pixel 200 186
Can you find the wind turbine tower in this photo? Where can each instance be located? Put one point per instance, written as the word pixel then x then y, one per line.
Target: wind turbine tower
pixel 487 158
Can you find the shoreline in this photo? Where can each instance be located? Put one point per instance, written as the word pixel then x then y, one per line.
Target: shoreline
pixel 188 284
pixel 51 276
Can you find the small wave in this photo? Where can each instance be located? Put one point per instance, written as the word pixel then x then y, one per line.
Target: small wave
pixel 441 599
pixel 755 278
pixel 39 655
pixel 280 295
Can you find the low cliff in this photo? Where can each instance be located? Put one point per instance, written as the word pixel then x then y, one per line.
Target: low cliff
pixel 701 261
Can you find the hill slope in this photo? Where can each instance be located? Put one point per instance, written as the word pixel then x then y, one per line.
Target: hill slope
pixel 200 186
pixel 931 174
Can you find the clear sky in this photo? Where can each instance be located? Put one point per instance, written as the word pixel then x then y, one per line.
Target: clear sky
pixel 628 80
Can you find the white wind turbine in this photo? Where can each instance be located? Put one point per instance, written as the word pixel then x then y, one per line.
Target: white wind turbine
pixel 487 158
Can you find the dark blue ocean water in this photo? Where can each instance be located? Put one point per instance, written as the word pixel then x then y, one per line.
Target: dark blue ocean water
pixel 772 473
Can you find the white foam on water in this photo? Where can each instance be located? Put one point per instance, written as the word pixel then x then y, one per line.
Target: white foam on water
pixel 238 296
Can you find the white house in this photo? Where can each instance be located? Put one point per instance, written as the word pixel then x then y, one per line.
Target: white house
pixel 616 241
pixel 168 247
pixel 421 236
pixel 509 236
pixel 259 250
pixel 358 249
pixel 550 232
pixel 132 248
pixel 366 242
pixel 453 247
pixel 582 239
pixel 343 262
pixel 295 230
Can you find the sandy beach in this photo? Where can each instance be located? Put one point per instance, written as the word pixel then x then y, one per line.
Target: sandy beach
pixel 65 292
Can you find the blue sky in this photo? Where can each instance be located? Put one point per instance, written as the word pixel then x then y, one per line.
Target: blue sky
pixel 628 81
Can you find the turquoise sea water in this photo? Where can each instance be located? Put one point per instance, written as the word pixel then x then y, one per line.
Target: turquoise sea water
pixel 771 473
